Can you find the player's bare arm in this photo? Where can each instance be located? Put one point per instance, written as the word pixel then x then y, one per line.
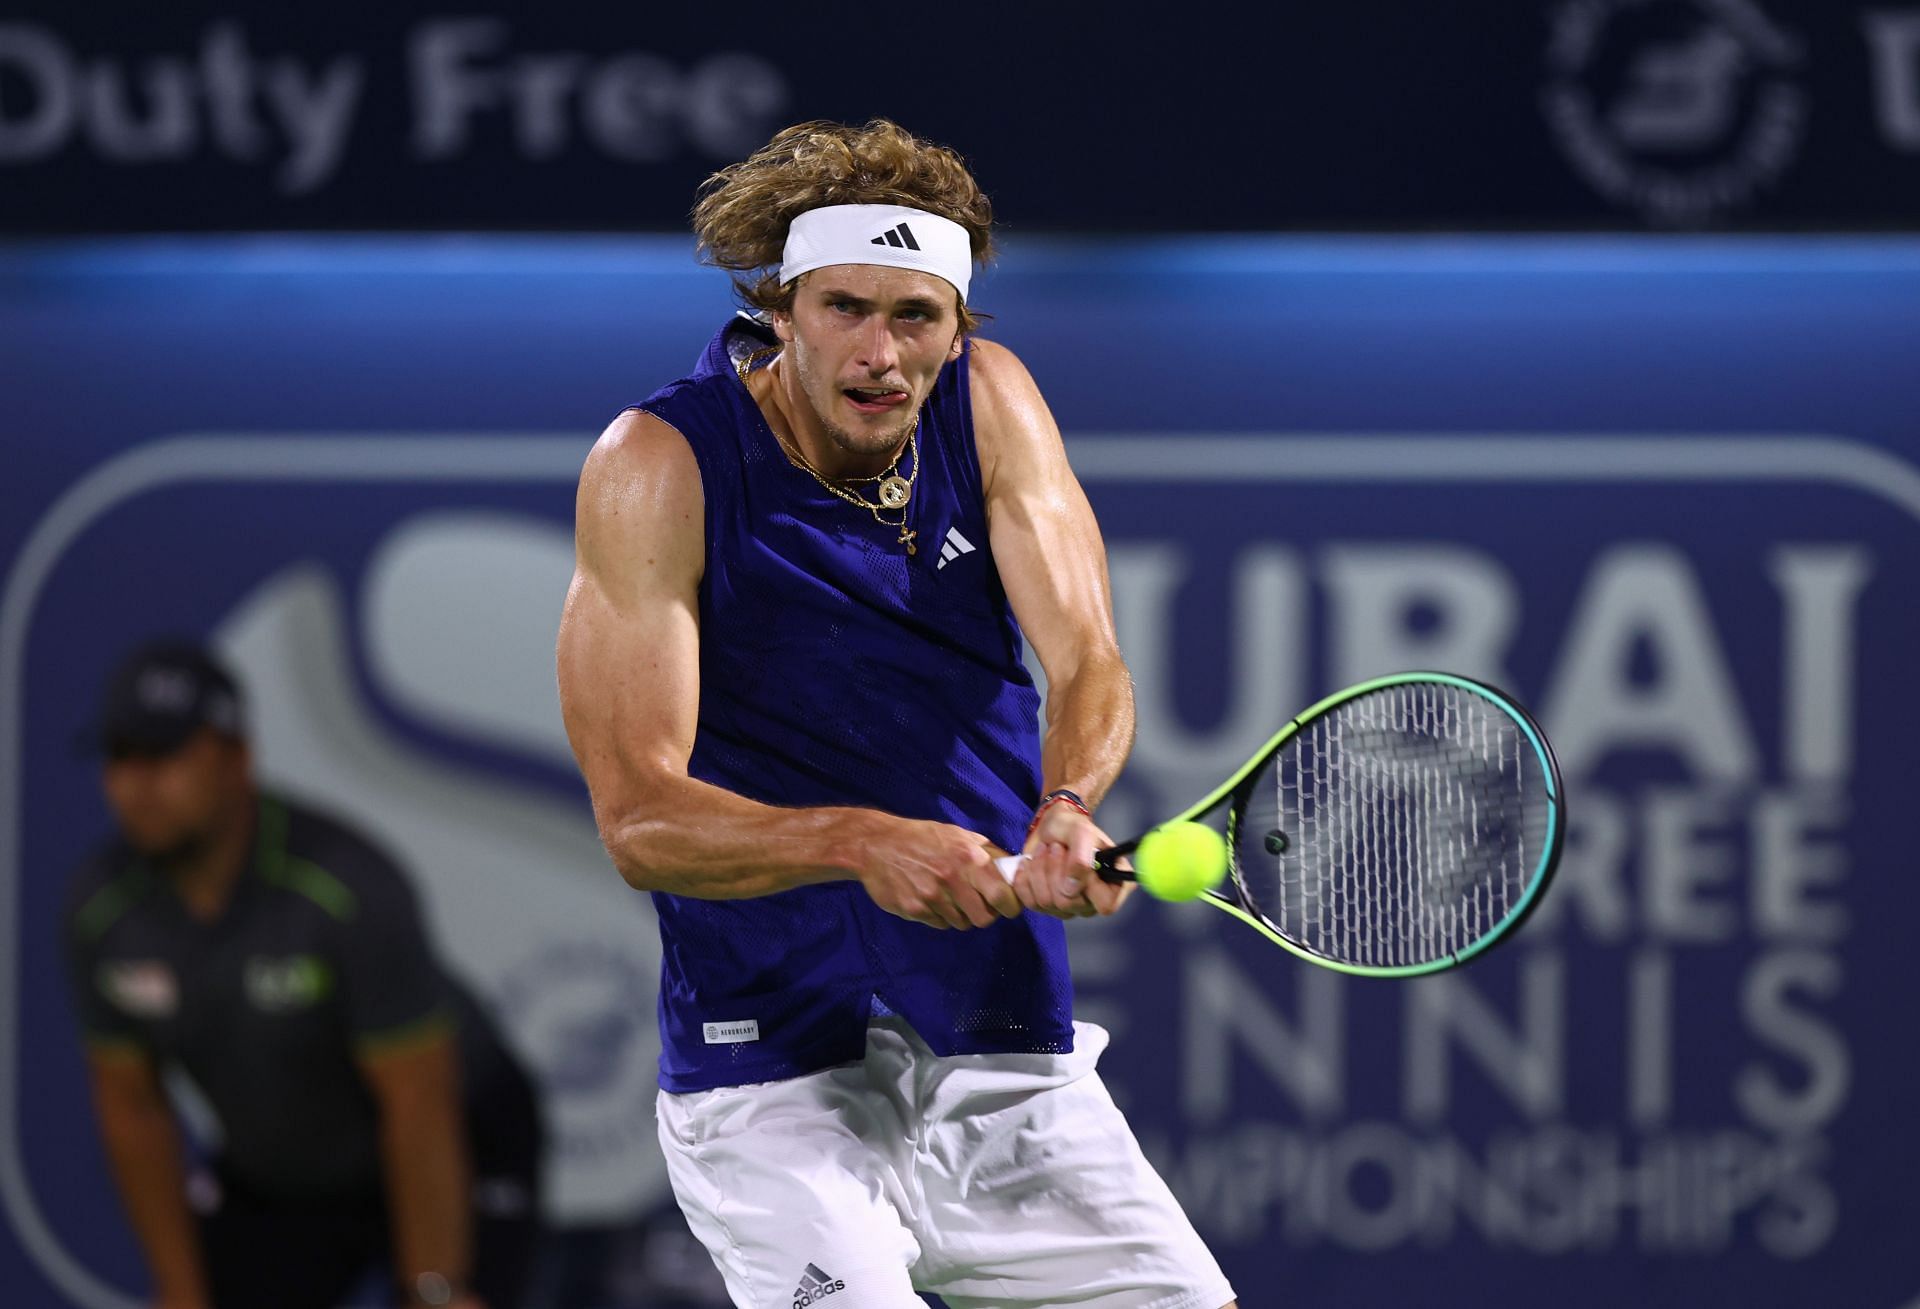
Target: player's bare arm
pixel 1053 564
pixel 629 661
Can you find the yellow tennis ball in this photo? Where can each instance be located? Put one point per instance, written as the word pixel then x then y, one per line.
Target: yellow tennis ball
pixel 1177 861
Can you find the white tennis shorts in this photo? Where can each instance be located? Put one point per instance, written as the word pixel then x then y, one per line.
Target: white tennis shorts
pixel 991 1180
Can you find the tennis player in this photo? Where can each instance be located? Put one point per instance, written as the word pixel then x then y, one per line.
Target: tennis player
pixel 791 670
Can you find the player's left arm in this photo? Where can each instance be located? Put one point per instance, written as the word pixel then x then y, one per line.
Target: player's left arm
pixel 1053 563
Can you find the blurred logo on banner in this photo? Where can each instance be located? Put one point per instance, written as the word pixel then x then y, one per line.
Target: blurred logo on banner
pixel 1684 110
pixel 392 616
pixel 455 618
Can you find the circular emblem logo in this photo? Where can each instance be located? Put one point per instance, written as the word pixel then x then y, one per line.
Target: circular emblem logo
pixel 583 1013
pixel 1682 110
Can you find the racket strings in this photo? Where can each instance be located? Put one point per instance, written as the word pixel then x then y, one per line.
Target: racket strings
pixel 1413 819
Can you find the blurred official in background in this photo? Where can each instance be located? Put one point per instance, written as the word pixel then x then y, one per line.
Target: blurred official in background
pixel 263 970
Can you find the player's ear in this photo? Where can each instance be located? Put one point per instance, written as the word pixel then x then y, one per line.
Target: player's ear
pixel 954 347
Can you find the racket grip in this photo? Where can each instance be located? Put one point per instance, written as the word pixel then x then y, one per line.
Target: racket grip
pixel 1009 867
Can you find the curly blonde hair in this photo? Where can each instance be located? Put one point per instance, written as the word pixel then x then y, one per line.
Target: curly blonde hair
pixel 744 210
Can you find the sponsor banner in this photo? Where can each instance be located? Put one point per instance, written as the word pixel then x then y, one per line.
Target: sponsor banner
pixel 1618 478
pixel 1554 113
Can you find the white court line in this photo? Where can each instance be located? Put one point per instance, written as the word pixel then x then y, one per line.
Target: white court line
pixel 466 458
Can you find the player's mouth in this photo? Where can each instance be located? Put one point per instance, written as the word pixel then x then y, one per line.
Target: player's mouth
pixel 874 399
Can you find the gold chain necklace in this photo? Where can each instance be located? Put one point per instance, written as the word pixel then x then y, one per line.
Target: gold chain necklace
pixel 894 490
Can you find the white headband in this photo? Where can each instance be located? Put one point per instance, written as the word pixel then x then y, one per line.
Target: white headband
pixel 892 235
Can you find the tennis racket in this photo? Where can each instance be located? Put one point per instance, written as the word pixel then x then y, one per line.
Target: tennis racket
pixel 1399 827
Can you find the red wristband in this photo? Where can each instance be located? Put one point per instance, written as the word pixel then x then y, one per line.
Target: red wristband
pixel 1051 798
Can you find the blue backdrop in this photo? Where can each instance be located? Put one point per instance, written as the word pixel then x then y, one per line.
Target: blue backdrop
pixel 1663 491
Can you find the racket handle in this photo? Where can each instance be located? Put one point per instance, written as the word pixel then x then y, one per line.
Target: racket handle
pixel 1009 867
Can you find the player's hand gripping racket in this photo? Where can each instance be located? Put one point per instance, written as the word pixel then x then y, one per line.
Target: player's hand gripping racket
pixel 1398 827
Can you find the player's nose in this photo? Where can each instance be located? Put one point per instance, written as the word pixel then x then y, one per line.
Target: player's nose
pixel 878 352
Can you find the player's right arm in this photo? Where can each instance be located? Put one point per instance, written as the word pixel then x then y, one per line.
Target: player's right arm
pixel 144 1152
pixel 629 669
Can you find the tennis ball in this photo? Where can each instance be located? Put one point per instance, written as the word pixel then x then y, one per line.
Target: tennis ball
pixel 1177 861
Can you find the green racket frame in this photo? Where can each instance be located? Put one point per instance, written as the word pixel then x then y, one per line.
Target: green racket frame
pixel 1231 794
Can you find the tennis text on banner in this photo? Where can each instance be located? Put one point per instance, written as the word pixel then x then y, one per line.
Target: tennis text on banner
pixel 1715 876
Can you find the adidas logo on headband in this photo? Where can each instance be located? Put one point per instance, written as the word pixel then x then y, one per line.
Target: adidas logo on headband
pixel 907 238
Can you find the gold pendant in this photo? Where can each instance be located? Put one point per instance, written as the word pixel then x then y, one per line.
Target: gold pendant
pixel 906 538
pixel 894 492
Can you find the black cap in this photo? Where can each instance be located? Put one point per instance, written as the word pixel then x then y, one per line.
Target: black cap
pixel 160 695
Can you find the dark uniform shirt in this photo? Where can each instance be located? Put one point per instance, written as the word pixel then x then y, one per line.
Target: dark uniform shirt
pixel 318 958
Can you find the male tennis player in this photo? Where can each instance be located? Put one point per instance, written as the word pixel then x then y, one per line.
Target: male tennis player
pixel 276 960
pixel 791 670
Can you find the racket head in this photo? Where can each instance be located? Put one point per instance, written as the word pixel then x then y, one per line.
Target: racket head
pixel 1402 826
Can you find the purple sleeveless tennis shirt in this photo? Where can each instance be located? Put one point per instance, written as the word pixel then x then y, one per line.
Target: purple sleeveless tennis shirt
pixel 836 669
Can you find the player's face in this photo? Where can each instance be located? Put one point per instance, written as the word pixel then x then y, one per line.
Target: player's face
pixel 168 805
pixel 867 344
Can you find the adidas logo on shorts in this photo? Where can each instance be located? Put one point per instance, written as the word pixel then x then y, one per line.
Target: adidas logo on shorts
pixel 815 1286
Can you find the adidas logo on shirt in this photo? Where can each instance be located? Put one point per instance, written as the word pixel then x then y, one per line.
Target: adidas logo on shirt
pixel 900 237
pixel 815 1286
pixel 956 545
